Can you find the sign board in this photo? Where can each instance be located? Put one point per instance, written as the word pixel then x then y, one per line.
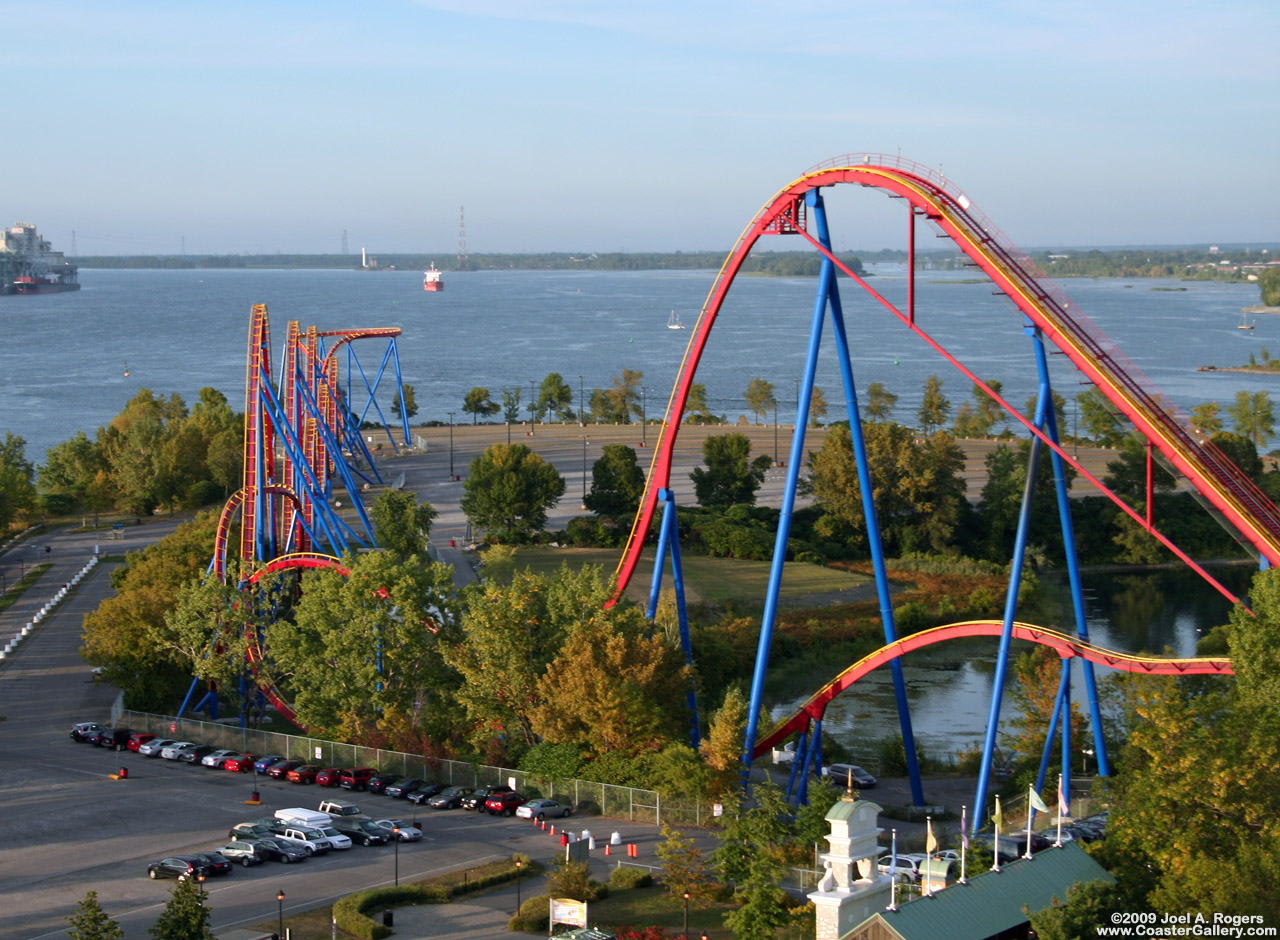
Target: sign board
pixel 319 752
pixel 717 809
pixel 577 851
pixel 568 911
pixel 173 727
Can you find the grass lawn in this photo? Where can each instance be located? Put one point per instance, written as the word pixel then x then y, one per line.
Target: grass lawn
pixel 653 906
pixel 706 580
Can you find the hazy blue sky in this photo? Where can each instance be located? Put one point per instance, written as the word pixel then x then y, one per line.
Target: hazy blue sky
pixel 573 125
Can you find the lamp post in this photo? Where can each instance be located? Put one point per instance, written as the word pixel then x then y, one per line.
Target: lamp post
pixel 686 914
pixel 775 431
pixel 519 866
pixel 533 413
pixel 581 389
pixel 644 423
pixel 280 912
pixel 395 834
pixel 451 414
pixel 584 471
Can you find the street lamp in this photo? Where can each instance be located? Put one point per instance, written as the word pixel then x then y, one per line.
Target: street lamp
pixel 643 415
pixel 775 430
pixel 451 414
pixel 280 912
pixel 581 388
pixel 584 471
pixel 519 866
pixel 686 914
pixel 395 833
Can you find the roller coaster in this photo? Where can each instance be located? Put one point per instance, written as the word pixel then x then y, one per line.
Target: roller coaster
pixel 1048 316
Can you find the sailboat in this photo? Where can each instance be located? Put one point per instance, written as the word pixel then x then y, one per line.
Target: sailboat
pixel 673 321
pixel 1245 323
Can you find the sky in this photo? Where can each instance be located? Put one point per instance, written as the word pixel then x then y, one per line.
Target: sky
pixel 568 125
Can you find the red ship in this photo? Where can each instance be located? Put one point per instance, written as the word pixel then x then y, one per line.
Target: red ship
pixel 431 279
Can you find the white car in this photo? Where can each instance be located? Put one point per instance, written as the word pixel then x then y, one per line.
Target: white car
pixel 336 839
pixel 153 747
pixel 170 751
pixel 904 872
pixel 540 809
pixel 218 758
pixel 408 833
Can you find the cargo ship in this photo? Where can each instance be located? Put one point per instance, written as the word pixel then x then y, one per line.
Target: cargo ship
pixel 431 279
pixel 29 265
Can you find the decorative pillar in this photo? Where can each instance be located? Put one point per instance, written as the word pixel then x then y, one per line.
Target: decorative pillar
pixel 853 888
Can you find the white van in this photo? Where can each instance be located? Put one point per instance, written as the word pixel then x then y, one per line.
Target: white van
pixel 304 817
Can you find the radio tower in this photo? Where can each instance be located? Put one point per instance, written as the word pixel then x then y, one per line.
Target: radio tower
pixel 462 238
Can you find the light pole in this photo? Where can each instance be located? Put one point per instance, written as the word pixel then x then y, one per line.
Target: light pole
pixel 643 415
pixel 280 912
pixel 581 388
pixel 584 471
pixel 775 431
pixel 451 414
pixel 519 866
pixel 686 915
pixel 532 410
pixel 395 834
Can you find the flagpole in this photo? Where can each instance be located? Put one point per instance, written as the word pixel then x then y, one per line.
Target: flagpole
pixel 1031 788
pixel 930 844
pixel 1061 813
pixel 893 874
pixel 997 819
pixel 964 842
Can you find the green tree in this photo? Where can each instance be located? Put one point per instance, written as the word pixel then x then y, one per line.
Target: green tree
pixel 934 406
pixel 1059 410
pixel 401 525
pixel 90 921
pixel 817 407
pixel 508 491
pixel 1254 416
pixel 751 858
pixel 70 467
pixel 619 403
pixel 728 477
pixel 1099 418
pixel 1269 283
pixel 364 652
pixel 683 867
pixel 1001 501
pixel 133 445
pixel 617 482
pixel 880 402
pixel 721 749
pixel 17 476
pixel 206 628
pixel 1127 474
pixel 556 398
pixel 511 404
pixel 696 410
pixel 409 405
pixel 478 404
pixel 1206 417
pixel 760 397
pixel 185 916
pixel 918 491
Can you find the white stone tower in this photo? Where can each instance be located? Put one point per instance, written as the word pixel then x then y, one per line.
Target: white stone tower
pixel 853 888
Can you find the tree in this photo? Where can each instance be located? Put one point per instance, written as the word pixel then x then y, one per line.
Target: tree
pixel 817 407
pixel 90 921
pixel 1269 282
pixel 1001 501
pixel 1059 409
pixel 477 403
pixel 185 916
pixel 722 747
pixel 751 857
pixel 400 525
pixel 760 398
pixel 728 477
pixel 1127 474
pixel 508 491
pixel 409 405
pixel 918 491
pixel 364 651
pixel 555 397
pixel 977 418
pixel 880 402
pixel 934 406
pixel 206 628
pixel 617 482
pixel 696 410
pixel 1039 673
pixel 1206 417
pixel 511 404
pixel 1254 415
pixel 17 475
pixel 683 866
pixel 70 467
pixel 619 403
pixel 133 447
pixel 1098 418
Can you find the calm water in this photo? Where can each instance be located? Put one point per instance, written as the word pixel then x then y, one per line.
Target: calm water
pixel 177 331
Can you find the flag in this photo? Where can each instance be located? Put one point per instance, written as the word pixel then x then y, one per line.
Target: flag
pixel 930 843
pixel 1036 802
pixel 1063 808
pixel 997 818
pixel 964 827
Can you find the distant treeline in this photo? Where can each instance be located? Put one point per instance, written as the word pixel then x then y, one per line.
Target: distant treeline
pixel 775 263
pixel 1196 263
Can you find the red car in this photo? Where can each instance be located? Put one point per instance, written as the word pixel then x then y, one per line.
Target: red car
pixel 327 777
pixel 305 774
pixel 280 768
pixel 137 740
pixel 241 765
pixel 503 804
pixel 355 778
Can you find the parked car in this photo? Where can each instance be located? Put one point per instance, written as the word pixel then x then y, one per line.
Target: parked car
pixel 399 829
pixel 84 730
pixel 219 757
pixel 424 793
pixel 361 830
pixel 905 869
pixel 475 799
pixel 276 851
pixel 246 853
pixel 193 755
pixel 240 765
pixel 849 775
pixel 402 788
pixel 304 774
pixel 154 747
pixel 217 862
pixel 261 765
pixel 450 798
pixel 137 740
pixel 263 829
pixel 378 783
pixel 541 809
pixel 356 778
pixel 281 768
pixel 339 808
pixel 170 751
pixel 178 866
pixel 503 804
pixel 327 777
pixel 112 737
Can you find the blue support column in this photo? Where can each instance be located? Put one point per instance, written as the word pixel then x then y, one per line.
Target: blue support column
pixel 669 544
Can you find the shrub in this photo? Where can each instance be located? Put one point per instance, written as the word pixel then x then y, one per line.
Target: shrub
pixel 534 915
pixel 624 877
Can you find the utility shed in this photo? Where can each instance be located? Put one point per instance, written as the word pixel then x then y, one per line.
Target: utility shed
pixel 990 906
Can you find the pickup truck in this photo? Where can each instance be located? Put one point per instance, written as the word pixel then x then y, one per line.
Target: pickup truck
pixel 312 840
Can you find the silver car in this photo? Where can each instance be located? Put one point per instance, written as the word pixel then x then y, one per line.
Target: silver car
pixel 153 747
pixel 218 758
pixel 408 831
pixel 170 751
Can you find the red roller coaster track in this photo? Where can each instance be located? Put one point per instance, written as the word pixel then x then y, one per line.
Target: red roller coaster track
pixel 1067 647
pixel 935 199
